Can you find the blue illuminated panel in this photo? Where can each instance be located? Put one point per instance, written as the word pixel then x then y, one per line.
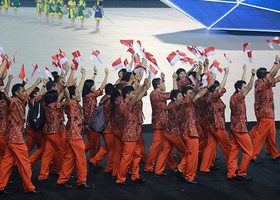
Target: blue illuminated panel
pixel 253 15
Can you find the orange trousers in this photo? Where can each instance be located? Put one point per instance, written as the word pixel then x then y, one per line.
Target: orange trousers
pixel 203 137
pixel 131 154
pixel 155 150
pixel 35 137
pixel 117 153
pixel 3 146
pixel 16 153
pixel 266 132
pixel 108 148
pixel 75 157
pixel 93 142
pixel 54 142
pixel 142 143
pixel 188 164
pixel 215 136
pixel 237 141
pixel 170 142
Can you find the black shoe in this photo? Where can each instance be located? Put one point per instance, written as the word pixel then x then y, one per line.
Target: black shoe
pixel 245 178
pixel 178 174
pixel 85 186
pixel 277 159
pixel 64 186
pixel 35 191
pixel 256 161
pixel 204 173
pixel 192 181
pixel 215 168
pixel 141 180
pixel 92 167
pixel 160 175
pixel 121 184
pixel 47 179
pixel 5 192
pixel 235 178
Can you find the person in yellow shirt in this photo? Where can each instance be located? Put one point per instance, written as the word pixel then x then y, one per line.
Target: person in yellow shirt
pixel 59 5
pixel 6 5
pixel 72 15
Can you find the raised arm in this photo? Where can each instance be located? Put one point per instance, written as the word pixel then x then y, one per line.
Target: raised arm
pixel 29 90
pixel 224 81
pixel 82 81
pixel 94 72
pixel 7 88
pixel 103 84
pixel 6 96
pixel 174 79
pixel 251 83
pixel 275 67
pixel 243 77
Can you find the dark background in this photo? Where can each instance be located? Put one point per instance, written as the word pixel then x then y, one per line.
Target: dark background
pixel 114 3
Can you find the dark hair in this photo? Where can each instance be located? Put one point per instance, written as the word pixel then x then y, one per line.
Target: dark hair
pixel 126 90
pixel 16 88
pixel 178 71
pixel 261 72
pixel 116 93
pixel 32 94
pixel 109 88
pixel 72 90
pixel 87 87
pixel 56 78
pixel 50 97
pixel 156 82
pixel 213 87
pixel 238 85
pixel 126 76
pixel 122 70
pixel 50 85
pixel 186 89
pixel 54 73
pixel 174 94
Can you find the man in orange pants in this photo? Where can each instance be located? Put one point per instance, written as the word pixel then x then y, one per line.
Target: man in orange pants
pixel 76 148
pixel 16 151
pixel 264 110
pixel 239 137
pixel 158 99
pixel 131 148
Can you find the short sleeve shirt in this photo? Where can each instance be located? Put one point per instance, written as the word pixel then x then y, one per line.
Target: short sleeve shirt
pixel 173 125
pixel 238 119
pixel 75 122
pixel 3 117
pixel 54 123
pixel 183 83
pixel 159 109
pixel 264 102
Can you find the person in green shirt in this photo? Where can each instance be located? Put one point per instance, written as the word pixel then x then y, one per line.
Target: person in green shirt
pixel 72 15
pixel 15 6
pixel 81 8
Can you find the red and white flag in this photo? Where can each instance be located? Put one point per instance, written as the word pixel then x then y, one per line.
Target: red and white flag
pixel 187 60
pixel 226 55
pixel 2 57
pixel 14 57
pixel 130 50
pixel 192 78
pixel 181 53
pixel 62 57
pixel 250 56
pixel 117 64
pixel 128 43
pixel 193 49
pixel 136 61
pixel 56 63
pixel 94 57
pixel 202 55
pixel 152 71
pixel 206 79
pixel 48 73
pixel 210 51
pixel 8 67
pixel 76 64
pixel 173 58
pixel 77 56
pixel 139 69
pixel 245 45
pixel 269 43
pixel 139 47
pixel 151 58
pixel 22 75
pixel 36 70
pixel 215 67
pixel 127 65
pixel 276 40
